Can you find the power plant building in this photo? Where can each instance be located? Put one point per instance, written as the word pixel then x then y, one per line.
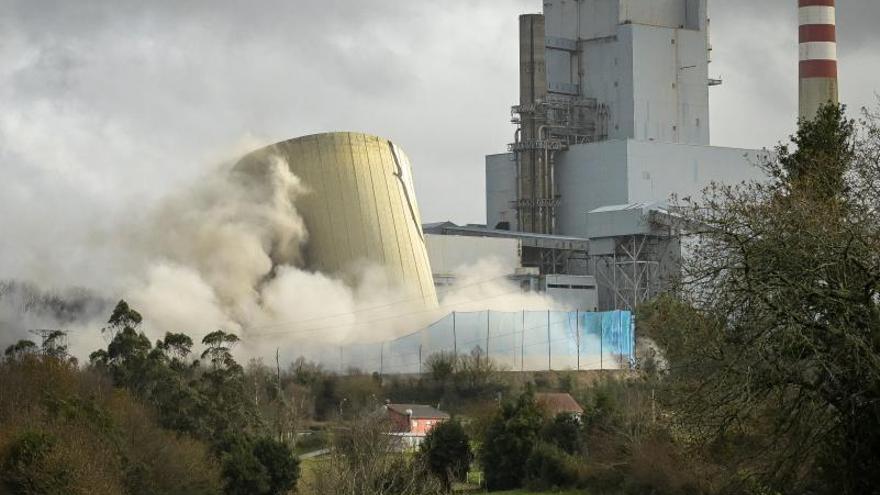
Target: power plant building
pixel 612 122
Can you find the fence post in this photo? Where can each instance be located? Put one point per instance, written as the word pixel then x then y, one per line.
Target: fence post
pixel 522 344
pixel 632 358
pixel 577 333
pixel 601 344
pixel 454 338
pixel 549 354
pixel 488 315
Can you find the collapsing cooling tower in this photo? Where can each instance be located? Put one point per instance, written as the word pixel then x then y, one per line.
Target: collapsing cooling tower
pixel 360 207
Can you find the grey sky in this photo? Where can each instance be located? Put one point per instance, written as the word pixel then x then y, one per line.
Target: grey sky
pixel 105 106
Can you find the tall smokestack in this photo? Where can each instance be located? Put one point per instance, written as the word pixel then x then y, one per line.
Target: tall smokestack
pixel 818 55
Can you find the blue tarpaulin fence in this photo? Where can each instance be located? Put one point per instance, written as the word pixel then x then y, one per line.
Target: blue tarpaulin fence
pixel 527 341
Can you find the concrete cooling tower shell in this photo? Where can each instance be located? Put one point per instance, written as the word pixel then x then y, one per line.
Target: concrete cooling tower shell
pixel 360 207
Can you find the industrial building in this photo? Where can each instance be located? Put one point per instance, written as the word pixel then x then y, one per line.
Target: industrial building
pixel 612 122
pixel 612 125
pixel 360 208
pixel 454 250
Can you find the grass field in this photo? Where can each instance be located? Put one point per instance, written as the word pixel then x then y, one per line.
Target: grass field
pixel 523 492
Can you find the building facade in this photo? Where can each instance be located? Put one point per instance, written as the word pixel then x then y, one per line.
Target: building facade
pixel 613 115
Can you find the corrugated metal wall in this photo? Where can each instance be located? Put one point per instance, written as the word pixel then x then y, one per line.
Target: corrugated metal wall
pixel 360 209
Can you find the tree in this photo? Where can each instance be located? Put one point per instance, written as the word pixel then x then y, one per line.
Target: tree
pixel 282 467
pixel 243 473
pixel 549 467
pixel 447 452
pixel 176 348
pixel 824 151
pixel 20 349
pixel 474 373
pixel 259 467
pixel 128 355
pixel 219 350
pixel 31 469
pixel 364 459
pixel 509 441
pixel 782 371
pixel 122 317
pixel 442 366
pixel 565 431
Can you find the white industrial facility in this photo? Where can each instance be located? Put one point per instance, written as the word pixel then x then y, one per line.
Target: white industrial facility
pixel 612 125
pixel 612 122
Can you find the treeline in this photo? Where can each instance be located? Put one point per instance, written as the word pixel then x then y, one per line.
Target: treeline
pixel 147 418
pixel 70 431
pixel 773 338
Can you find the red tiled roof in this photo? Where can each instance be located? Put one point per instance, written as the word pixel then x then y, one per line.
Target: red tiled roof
pixel 558 403
pixel 418 411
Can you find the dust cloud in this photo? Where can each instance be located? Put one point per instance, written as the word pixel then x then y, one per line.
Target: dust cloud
pixel 226 253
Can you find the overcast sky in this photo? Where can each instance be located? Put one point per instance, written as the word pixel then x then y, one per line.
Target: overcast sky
pixel 105 106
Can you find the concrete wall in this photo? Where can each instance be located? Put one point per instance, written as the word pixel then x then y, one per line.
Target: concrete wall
pixel 647 60
pixel 500 190
pixel 665 13
pixel 594 175
pixel 655 171
pixel 620 172
pixel 608 77
pixel 670 89
pixel 590 176
pixel 576 292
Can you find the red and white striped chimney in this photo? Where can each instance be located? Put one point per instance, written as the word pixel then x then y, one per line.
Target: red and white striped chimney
pixel 818 61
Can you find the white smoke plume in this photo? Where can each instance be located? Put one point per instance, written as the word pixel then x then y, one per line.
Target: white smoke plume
pixel 225 253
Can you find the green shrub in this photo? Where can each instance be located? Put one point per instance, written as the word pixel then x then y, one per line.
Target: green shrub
pixel 259 467
pixel 29 467
pixel 549 467
pixel 566 432
pixel 281 465
pixel 447 452
pixel 509 440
